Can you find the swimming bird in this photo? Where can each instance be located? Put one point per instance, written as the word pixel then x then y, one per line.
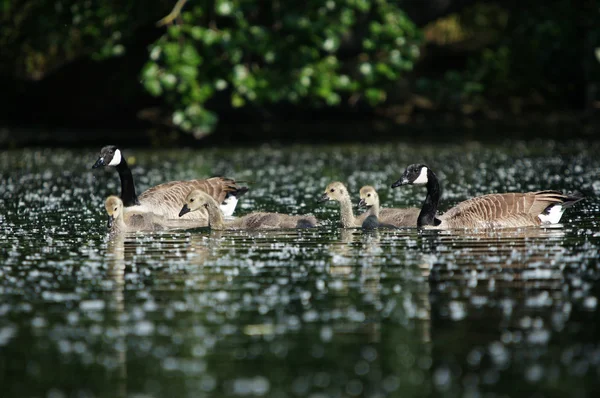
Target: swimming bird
pixel 337 191
pixel 165 199
pixel 487 211
pixel 132 219
pixel 388 217
pixel 198 199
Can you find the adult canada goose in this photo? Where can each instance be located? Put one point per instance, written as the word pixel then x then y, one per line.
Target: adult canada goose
pixel 487 211
pixel 198 199
pixel 165 199
pixel 132 219
pixel 388 218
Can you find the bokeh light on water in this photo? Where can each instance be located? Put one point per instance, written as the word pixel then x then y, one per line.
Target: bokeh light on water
pixel 318 313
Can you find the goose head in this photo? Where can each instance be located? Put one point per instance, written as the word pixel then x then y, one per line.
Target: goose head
pixel 110 155
pixel 368 196
pixel 114 208
pixel 334 191
pixel 195 200
pixel 415 174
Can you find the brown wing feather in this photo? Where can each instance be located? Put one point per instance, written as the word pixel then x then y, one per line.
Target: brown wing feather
pixel 168 198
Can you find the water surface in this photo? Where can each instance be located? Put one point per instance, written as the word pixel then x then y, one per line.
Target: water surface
pixel 316 313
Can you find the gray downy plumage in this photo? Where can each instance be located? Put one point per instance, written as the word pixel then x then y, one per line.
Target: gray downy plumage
pixel 337 192
pixel 198 199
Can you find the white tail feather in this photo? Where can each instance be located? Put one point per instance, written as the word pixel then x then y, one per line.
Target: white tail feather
pixel 553 215
pixel 228 205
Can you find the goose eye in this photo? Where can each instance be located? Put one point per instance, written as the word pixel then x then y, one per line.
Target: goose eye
pixel 191 200
pixel 369 195
pixel 332 190
pixel 115 209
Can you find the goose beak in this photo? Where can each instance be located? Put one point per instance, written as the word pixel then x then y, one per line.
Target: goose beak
pixel 400 182
pixel 362 203
pixel 323 198
pixel 99 163
pixel 109 223
pixel 184 210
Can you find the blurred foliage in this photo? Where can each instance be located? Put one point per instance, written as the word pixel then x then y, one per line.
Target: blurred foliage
pixel 40 36
pixel 538 52
pixel 256 52
pixel 251 53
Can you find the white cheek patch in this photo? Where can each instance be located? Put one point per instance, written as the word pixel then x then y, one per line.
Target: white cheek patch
pixel 370 200
pixel 553 216
pixel 228 206
pixel 116 158
pixel 422 178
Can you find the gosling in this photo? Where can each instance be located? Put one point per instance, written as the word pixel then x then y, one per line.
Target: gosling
pixel 197 200
pixel 389 217
pixel 134 220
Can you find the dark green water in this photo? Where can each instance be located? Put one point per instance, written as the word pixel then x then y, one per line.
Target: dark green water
pixel 320 313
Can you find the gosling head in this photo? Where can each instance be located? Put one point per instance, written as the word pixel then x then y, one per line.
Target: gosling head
pixel 415 174
pixel 334 191
pixel 195 201
pixel 114 208
pixel 368 196
pixel 110 155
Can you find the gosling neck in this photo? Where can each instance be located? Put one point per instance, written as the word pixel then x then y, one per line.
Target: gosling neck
pixel 346 214
pixel 119 224
pixel 374 209
pixel 215 217
pixel 430 205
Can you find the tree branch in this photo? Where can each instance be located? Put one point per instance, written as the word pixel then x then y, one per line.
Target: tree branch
pixel 173 14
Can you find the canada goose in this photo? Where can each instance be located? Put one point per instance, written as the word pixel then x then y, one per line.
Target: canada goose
pixel 487 211
pixel 132 219
pixel 385 217
pixel 165 199
pixel 198 199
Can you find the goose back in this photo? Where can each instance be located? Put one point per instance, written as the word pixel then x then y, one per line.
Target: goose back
pixel 166 199
pixel 263 220
pixel 505 210
pixel 399 217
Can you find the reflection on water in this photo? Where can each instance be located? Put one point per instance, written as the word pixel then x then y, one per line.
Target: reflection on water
pixel 323 312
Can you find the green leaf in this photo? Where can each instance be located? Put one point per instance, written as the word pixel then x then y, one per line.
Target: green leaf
pixel 153 87
pixel 237 101
pixel 190 55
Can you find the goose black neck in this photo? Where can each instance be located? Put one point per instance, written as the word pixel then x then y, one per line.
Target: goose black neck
pixel 429 208
pixel 128 195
